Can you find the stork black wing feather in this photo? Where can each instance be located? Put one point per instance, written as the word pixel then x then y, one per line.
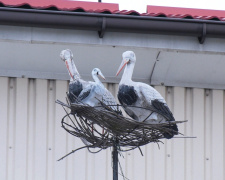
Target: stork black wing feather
pixel 163 109
pixel 75 89
pixel 85 93
pixel 127 95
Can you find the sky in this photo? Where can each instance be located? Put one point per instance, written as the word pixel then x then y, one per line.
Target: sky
pixel 140 5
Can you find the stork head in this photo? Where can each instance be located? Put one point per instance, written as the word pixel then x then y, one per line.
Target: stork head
pixel 66 54
pixel 97 72
pixel 128 57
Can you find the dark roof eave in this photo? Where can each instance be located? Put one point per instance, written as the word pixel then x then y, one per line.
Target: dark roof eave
pixel 112 22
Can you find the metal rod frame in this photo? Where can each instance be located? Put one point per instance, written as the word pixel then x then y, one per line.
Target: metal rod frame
pixel 115 160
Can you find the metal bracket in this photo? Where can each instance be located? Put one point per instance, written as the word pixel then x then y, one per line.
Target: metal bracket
pixel 102 32
pixel 201 38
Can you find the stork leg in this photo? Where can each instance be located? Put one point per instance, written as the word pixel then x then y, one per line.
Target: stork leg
pixel 103 130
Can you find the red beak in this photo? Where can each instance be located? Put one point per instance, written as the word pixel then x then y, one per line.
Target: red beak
pixel 122 65
pixel 68 66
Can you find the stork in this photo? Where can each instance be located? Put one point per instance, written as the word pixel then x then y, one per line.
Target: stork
pixel 137 98
pixel 96 92
pixel 76 84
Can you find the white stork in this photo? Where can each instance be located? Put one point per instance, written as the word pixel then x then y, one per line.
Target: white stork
pixel 76 84
pixel 86 91
pixel 142 95
pixel 96 91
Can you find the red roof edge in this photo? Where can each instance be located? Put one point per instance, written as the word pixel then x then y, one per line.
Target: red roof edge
pixel 63 4
pixel 171 11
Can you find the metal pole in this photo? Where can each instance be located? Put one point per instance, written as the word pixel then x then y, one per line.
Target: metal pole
pixel 115 160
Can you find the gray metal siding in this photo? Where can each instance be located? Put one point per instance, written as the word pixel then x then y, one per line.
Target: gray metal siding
pixel 33 52
pixel 32 139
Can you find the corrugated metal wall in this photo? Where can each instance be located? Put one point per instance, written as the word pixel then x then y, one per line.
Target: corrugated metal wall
pixel 31 139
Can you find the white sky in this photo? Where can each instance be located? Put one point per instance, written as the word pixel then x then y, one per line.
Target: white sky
pixel 140 5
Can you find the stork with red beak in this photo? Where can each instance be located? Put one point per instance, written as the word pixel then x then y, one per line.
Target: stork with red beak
pixel 87 92
pixel 138 98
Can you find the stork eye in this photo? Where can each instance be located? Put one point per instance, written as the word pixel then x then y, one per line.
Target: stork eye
pixel 97 73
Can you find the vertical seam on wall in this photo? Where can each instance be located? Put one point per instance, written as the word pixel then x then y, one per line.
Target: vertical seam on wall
pixel 223 134
pixel 47 139
pixel 34 129
pixel 27 135
pixel 14 124
pixel 210 131
pixel 7 136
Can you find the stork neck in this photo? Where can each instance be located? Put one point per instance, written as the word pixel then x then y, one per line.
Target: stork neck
pixel 72 70
pixel 127 74
pixel 96 79
pixel 75 71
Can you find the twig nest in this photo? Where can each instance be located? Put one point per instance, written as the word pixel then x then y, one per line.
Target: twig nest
pixel 110 125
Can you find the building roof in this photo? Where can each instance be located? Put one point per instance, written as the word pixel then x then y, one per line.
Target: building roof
pixel 165 40
pixel 191 13
pixel 112 8
pixel 63 5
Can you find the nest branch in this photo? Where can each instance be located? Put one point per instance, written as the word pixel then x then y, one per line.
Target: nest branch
pixel 129 133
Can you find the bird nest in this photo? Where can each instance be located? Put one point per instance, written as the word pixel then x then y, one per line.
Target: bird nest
pixel 110 126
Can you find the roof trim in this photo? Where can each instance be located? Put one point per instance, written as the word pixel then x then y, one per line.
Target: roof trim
pixel 112 22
